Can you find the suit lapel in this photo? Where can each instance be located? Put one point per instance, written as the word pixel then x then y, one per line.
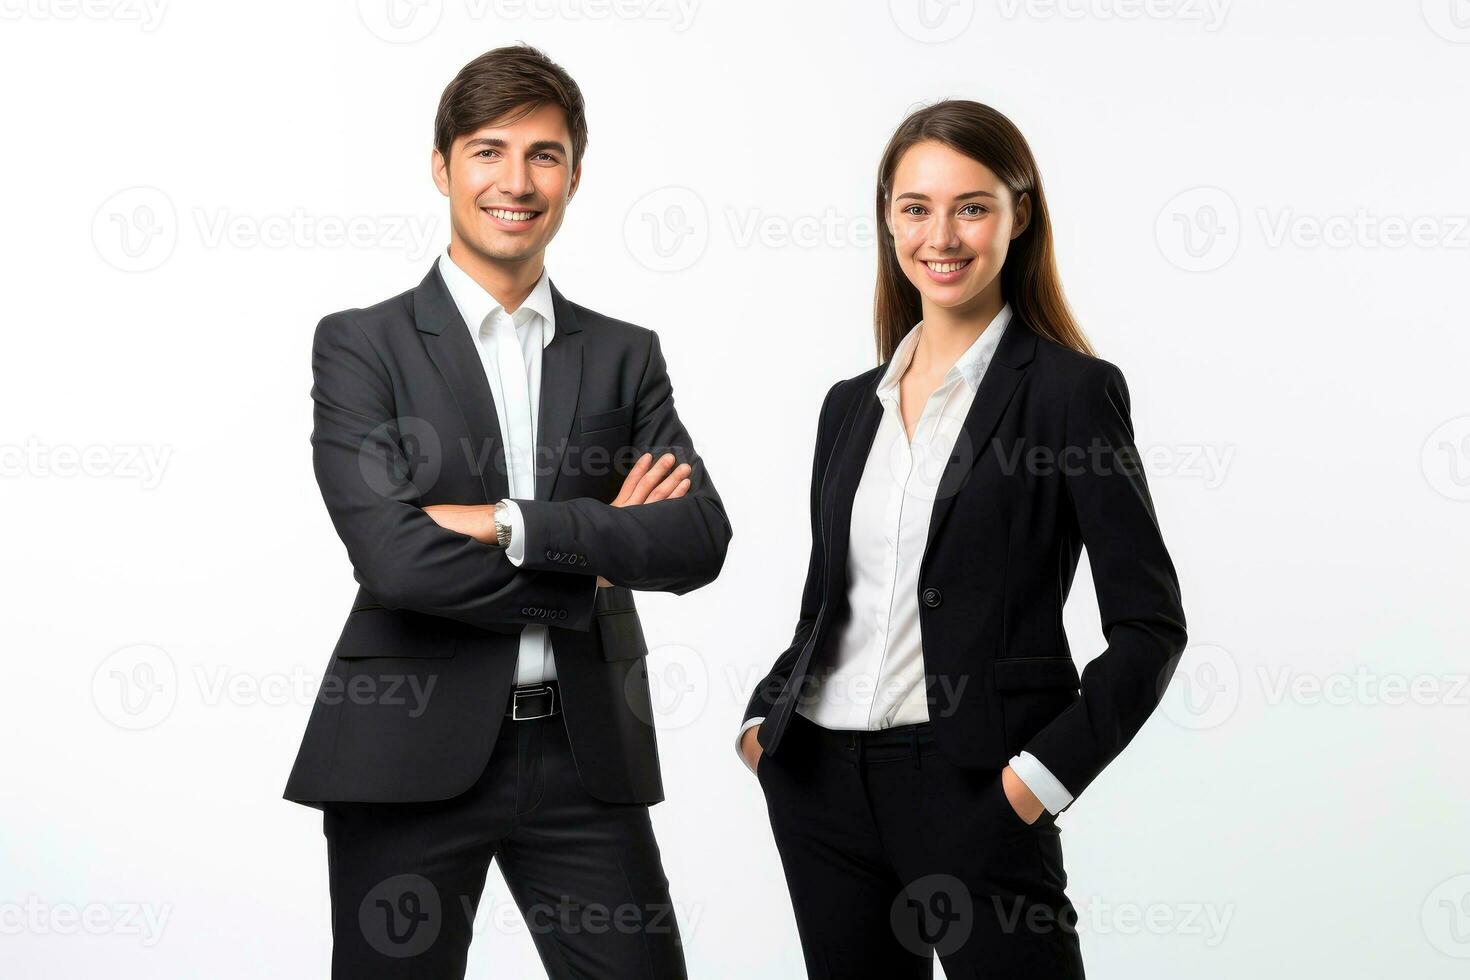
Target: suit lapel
pixel 561 386
pixel 851 450
pixel 1001 379
pixel 452 349
pixel 855 443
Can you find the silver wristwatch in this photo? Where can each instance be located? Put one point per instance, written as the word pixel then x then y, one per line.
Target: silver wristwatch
pixel 502 525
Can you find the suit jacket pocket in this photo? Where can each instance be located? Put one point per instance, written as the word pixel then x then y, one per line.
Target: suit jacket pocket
pixel 373 631
pixel 618 625
pixel 606 420
pixel 1033 691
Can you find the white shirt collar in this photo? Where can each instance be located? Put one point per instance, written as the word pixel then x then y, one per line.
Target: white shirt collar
pixel 476 304
pixel 970 366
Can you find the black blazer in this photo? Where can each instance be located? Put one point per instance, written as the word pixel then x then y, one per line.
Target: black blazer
pixel 417 686
pixel 1045 464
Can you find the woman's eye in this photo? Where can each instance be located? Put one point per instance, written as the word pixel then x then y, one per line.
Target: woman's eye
pixel 973 210
pixel 913 209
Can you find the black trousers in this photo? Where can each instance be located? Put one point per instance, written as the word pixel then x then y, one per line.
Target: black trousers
pixel 893 855
pixel 406 878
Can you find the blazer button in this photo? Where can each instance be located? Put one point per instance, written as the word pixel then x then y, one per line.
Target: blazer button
pixel 932 598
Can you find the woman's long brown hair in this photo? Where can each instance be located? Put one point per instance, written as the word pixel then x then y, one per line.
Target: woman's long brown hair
pixel 1028 280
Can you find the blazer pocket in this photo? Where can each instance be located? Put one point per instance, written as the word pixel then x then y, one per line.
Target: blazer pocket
pixel 1033 691
pixel 598 421
pixel 618 625
pixel 1035 673
pixel 373 631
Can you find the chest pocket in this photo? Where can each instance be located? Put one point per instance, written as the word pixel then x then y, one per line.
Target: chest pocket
pixel 602 421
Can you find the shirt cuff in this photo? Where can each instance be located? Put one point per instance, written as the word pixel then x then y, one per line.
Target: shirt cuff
pixel 1039 780
pixel 516 550
pixel 741 737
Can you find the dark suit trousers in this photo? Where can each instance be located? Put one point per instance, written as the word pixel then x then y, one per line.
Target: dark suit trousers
pixel 406 878
pixel 893 855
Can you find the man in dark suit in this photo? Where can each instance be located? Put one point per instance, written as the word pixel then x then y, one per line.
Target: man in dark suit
pixel 504 467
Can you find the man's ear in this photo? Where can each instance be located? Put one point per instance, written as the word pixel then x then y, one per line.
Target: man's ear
pixel 1023 216
pixel 576 180
pixel 439 168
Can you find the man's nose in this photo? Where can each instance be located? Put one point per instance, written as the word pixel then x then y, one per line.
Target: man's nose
pixel 515 178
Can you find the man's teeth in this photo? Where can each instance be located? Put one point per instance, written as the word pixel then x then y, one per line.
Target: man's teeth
pixel 947 266
pixel 511 215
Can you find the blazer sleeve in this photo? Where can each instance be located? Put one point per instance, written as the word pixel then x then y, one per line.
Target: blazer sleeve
pixel 675 545
pixel 398 552
pixel 769 689
pixel 1137 589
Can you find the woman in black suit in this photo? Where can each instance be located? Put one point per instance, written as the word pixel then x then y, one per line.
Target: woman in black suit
pixel 927 723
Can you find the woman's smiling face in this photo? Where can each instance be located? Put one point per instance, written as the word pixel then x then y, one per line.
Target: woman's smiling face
pixel 952 222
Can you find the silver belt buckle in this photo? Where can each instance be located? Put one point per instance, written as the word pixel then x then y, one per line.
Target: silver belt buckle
pixel 532 694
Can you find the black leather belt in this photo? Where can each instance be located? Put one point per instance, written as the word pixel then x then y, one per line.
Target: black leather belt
pixel 534 701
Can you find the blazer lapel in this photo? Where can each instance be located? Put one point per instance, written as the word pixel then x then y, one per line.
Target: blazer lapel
pixel 855 443
pixel 452 349
pixel 561 387
pixel 851 449
pixel 1001 379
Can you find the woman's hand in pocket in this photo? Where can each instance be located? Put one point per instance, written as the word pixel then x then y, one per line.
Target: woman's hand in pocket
pixel 750 747
pixel 1022 800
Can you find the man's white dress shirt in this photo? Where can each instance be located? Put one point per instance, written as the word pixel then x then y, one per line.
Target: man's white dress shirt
pixel 876 677
pixel 510 346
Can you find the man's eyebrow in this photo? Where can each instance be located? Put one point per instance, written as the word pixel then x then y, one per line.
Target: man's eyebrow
pixel 484 141
pixel 958 197
pixel 541 145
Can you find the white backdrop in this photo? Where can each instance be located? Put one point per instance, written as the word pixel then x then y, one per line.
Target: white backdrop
pixel 1262 218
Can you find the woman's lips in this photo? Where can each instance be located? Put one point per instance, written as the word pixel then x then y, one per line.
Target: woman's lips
pixel 949 270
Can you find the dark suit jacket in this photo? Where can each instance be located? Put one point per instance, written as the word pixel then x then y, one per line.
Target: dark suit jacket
pixel 418 683
pixel 1045 464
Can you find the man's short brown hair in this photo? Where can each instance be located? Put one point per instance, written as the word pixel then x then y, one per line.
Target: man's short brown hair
pixel 506 84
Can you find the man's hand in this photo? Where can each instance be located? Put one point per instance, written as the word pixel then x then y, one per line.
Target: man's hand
pixel 1022 800
pixel 647 482
pixel 650 481
pixel 750 746
pixel 475 520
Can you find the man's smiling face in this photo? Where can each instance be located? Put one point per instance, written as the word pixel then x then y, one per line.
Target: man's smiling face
pixel 508 184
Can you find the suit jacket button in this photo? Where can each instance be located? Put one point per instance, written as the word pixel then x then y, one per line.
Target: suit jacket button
pixel 932 598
